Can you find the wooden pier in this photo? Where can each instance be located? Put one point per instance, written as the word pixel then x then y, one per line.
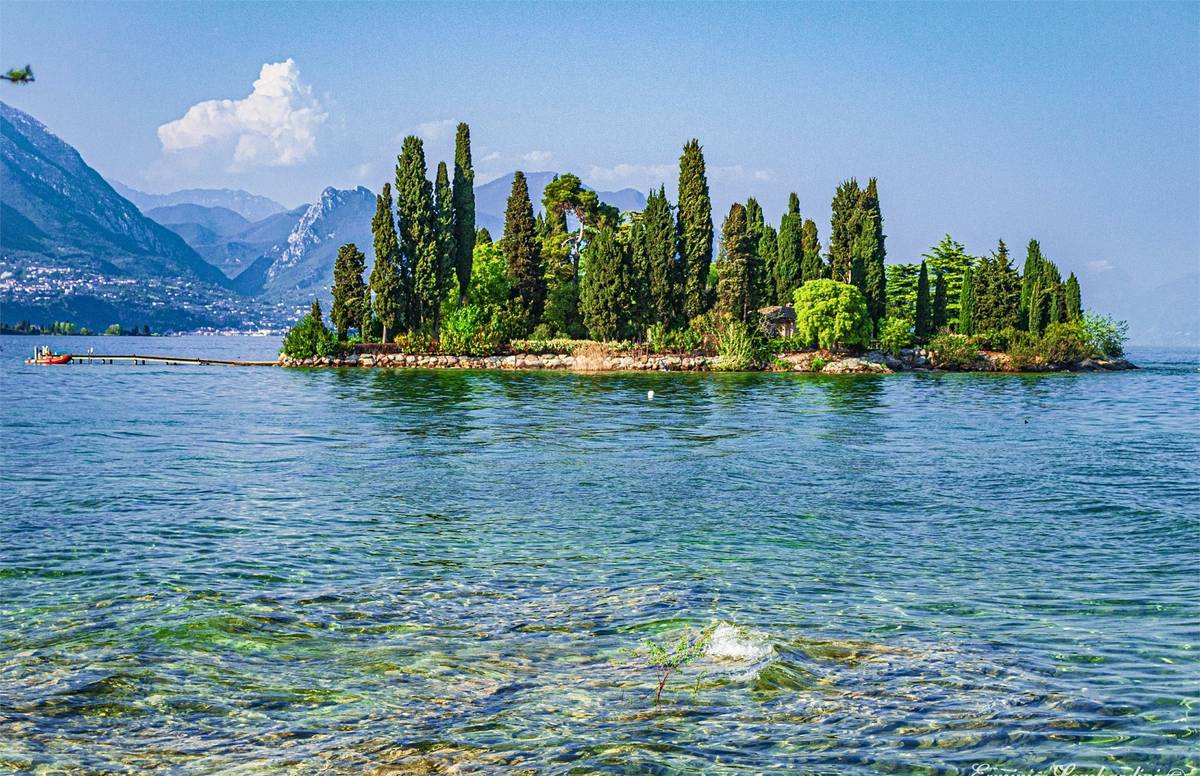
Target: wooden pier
pixel 101 358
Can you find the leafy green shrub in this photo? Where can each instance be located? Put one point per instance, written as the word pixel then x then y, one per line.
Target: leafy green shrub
pixel 739 347
pixel 567 347
pixel 788 344
pixel 416 342
pixel 659 339
pixel 466 332
pixel 668 660
pixel 1064 343
pixel 895 334
pixel 817 364
pixel 832 314
pixel 309 338
pixel 996 339
pixel 1104 335
pixel 952 351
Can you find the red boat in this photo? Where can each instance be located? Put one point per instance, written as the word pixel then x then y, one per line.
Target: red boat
pixel 44 355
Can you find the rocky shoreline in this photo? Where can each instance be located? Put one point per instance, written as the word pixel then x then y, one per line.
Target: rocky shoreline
pixel 816 361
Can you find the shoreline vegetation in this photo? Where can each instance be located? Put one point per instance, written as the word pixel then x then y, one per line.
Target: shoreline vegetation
pixel 582 285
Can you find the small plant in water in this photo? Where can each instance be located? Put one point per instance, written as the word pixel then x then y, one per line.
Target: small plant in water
pixel 667 659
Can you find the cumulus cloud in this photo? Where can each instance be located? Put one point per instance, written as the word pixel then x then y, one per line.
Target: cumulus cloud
pixel 275 126
pixel 536 156
pixel 493 156
pixel 431 131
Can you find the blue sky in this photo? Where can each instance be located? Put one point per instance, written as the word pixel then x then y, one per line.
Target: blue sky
pixel 1073 123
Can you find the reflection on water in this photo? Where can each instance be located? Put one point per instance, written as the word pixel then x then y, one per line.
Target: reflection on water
pixel 269 570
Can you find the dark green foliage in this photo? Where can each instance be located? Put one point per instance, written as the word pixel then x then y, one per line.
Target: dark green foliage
pixel 1047 299
pixel 939 316
pixel 813 267
pixel 309 338
pixel 902 290
pixel 735 288
pixel 348 289
pixel 952 351
pixel 767 251
pixel 923 319
pixel 1074 302
pixel 447 249
pixel 483 236
pixel 604 292
pixel 789 263
pixel 997 293
pixel 418 232
pixel 566 194
pixel 951 260
pixel 870 252
pixel 844 231
pixel 523 253
pixel 464 209
pixel 966 304
pixel 387 279
pixel 315 311
pixel 1065 343
pixel 666 281
pixel 1029 276
pixel 694 229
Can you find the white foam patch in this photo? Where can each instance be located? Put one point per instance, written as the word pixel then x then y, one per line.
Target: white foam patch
pixel 729 642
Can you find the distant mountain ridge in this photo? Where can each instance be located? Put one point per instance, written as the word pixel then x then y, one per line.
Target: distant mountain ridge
pixel 252 207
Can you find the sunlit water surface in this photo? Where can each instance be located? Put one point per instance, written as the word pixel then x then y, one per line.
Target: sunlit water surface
pixel 214 568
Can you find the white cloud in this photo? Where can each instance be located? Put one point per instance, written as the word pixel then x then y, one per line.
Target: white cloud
pixel 639 175
pixel 275 126
pixel 536 156
pixel 762 175
pixel 493 156
pixel 1103 265
pixel 431 131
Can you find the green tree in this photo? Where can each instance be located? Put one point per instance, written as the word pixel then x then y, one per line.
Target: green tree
pixel 966 304
pixel 348 289
pixel 464 210
pixel 789 264
pixel 923 321
pixel 315 310
pixel 605 294
pixel 997 292
pixel 735 288
pixel 766 254
pixel 666 287
pixel 566 194
pixel 387 281
pixel 694 227
pixel 902 290
pixel 447 249
pixel 832 314
pixel 844 230
pixel 523 253
pixel 871 252
pixel 1029 276
pixel 483 236
pixel 940 301
pixel 813 266
pixel 1074 303
pixel 951 260
pixel 418 231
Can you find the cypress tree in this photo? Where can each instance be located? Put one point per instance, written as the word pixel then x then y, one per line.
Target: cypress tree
pixel 447 247
pixel 764 266
pixel 483 236
pixel 735 288
pixel 387 281
pixel 940 316
pixel 523 254
pixel 923 322
pixel 348 289
pixel 966 304
pixel 844 230
pixel 664 270
pixel 694 229
pixel 1029 277
pixel 1074 302
pixel 813 266
pixel 789 264
pixel 464 210
pixel 366 328
pixel 873 253
pixel 997 293
pixel 315 310
pixel 604 290
pixel 949 258
pixel 418 232
pixel 754 217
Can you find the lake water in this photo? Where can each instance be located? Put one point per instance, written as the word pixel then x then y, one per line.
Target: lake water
pixel 214 568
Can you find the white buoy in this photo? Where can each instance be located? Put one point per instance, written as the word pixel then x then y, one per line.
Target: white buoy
pixel 649 395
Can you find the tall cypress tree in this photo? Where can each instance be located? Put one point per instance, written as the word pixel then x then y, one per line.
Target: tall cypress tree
pixel 997 293
pixel 966 304
pixel 940 315
pixel 447 248
pixel 844 230
pixel 464 210
pixel 348 289
pixel 873 253
pixel 813 266
pixel 1074 302
pixel 923 323
pixel 522 252
pixel 695 229
pixel 767 254
pixel 789 265
pixel 417 229
pixel 483 236
pixel 1029 277
pixel 665 272
pixel 387 281
pixel 604 290
pixel 735 288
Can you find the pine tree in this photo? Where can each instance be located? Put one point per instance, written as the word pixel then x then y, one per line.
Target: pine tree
pixel 387 281
pixel 315 311
pixel 813 266
pixel 844 230
pixel 417 229
pixel 464 210
pixel 940 302
pixel 735 289
pixel 348 289
pixel 966 304
pixel 694 229
pixel 604 291
pixel 1029 276
pixel 483 236
pixel 665 273
pixel 923 323
pixel 523 254
pixel 1074 302
pixel 447 248
pixel 789 264
pixel 902 290
pixel 997 293
pixel 952 261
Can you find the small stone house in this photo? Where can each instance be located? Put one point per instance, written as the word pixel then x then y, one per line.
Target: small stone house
pixel 779 321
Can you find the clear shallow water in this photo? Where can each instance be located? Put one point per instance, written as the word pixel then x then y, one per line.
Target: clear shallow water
pixel 210 568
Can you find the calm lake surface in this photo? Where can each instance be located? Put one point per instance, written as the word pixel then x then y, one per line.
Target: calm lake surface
pixel 215 569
